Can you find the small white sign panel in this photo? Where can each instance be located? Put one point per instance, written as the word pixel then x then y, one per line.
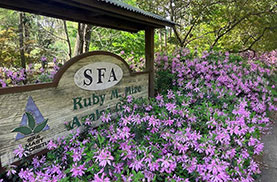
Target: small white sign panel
pixel 98 76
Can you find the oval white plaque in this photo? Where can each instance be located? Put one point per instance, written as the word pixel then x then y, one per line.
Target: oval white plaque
pixel 98 76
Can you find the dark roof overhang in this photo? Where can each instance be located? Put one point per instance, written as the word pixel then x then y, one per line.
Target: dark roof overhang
pixel 106 13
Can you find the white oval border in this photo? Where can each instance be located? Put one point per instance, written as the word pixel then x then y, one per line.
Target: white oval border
pixel 79 78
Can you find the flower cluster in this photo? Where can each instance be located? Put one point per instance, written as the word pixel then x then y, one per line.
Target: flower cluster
pixel 267 58
pixel 11 76
pixel 206 128
pixel 32 74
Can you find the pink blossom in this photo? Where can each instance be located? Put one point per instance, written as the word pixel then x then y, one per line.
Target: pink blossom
pixel 101 179
pixel 78 170
pixel 11 170
pixel 136 164
pixel 20 152
pixel 104 158
pixel 51 145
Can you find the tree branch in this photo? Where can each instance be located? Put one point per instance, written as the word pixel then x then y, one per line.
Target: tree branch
pixel 257 39
pixel 199 37
pixel 51 33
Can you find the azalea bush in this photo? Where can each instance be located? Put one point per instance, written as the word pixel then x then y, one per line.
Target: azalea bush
pixel 134 63
pixel 267 58
pixel 34 73
pixel 204 125
pixel 223 72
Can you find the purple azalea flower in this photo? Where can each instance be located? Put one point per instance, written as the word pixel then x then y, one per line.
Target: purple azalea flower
pixel 43 59
pixel 51 145
pixel 78 170
pixel 136 165
pixel 20 152
pixel 104 158
pixel 101 179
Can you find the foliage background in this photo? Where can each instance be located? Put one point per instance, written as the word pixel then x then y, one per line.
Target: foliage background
pixel 225 25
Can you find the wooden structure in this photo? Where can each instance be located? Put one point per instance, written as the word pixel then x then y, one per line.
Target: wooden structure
pixel 106 13
pixel 64 104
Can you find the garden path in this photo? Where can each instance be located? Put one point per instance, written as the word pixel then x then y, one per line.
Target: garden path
pixel 269 158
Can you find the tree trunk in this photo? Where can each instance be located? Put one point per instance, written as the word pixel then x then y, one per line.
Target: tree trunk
pixel 21 43
pixel 87 36
pixel 79 44
pixel 67 40
pixel 160 40
pixel 21 40
pixel 165 40
pixel 83 39
pixel 26 30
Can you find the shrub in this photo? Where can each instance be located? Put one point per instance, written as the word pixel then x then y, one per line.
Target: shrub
pixel 206 128
pixel 32 74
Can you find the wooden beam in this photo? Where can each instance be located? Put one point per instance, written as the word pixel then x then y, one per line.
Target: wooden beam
pixel 108 14
pixel 122 13
pixel 149 56
pixel 67 12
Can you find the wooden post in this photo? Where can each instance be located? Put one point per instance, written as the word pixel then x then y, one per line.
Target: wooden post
pixel 149 56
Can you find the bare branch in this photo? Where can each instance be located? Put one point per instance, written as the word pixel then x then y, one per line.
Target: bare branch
pixel 189 32
pixel 232 26
pixel 257 39
pixel 199 37
pixel 51 33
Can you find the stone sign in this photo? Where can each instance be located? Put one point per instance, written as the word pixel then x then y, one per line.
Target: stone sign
pixel 85 87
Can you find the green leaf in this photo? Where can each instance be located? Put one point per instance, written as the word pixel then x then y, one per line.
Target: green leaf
pixel 23 129
pixel 40 127
pixel 100 139
pixel 31 120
